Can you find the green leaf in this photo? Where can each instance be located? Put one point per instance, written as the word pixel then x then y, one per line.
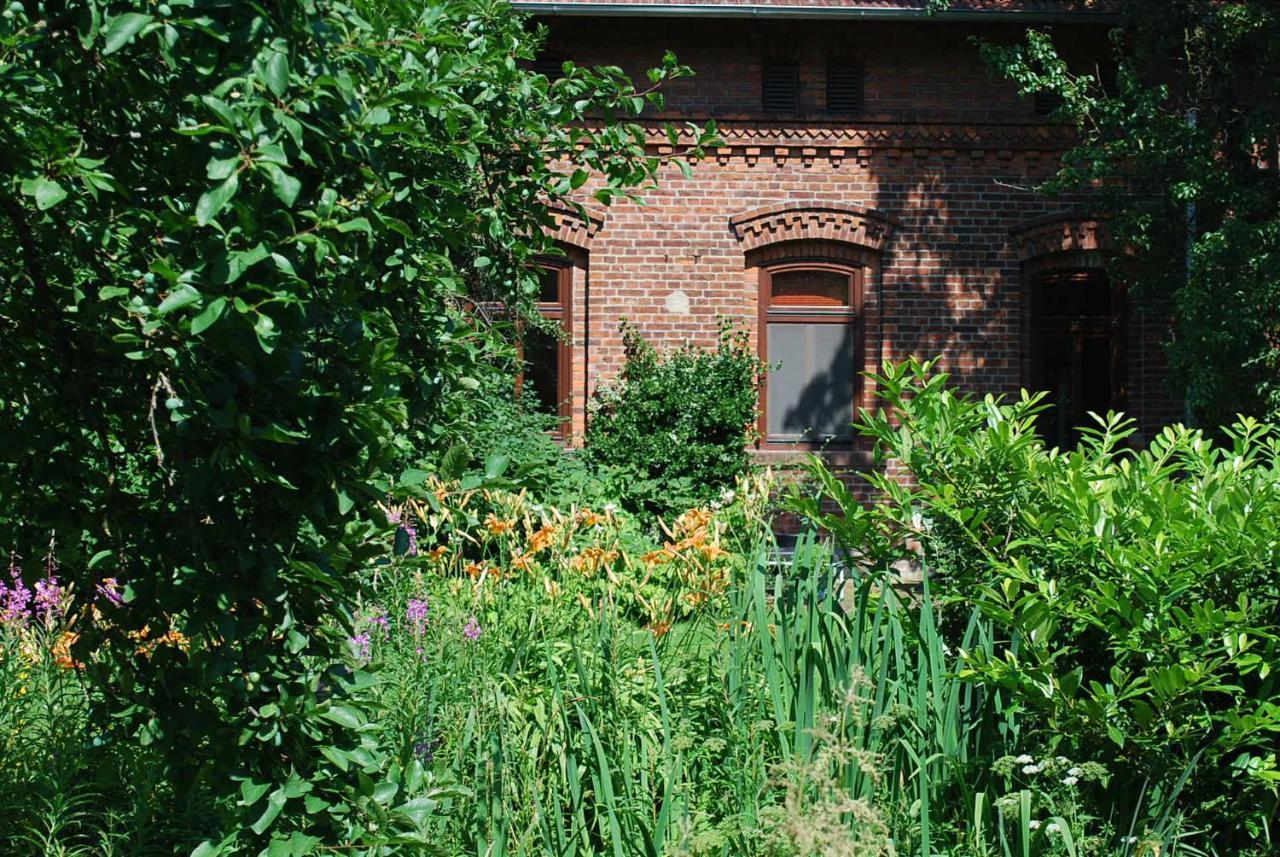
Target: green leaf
pixel 183 296
pixel 285 186
pixel 210 314
pixel 106 293
pixel 276 74
pixel 413 476
pixel 265 328
pixel 122 29
pixel 218 169
pixel 275 803
pixel 344 715
pixel 213 201
pixel 385 792
pixel 417 810
pixel 47 192
pixel 250 792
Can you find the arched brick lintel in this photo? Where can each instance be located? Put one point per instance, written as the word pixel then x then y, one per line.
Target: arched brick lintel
pixel 1060 234
pixel 572 229
pixel 848 224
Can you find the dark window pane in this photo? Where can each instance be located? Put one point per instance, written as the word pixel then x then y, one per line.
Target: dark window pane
pixel 810 288
pixel 1046 102
pixel 549 285
pixel 1095 378
pixel 542 375
pixel 1074 294
pixel 1056 367
pixel 810 393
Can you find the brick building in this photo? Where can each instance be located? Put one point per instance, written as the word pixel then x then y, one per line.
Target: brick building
pixel 872 198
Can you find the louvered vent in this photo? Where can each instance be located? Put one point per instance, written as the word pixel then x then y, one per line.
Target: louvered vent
pixel 1046 102
pixel 781 90
pixel 552 68
pixel 844 88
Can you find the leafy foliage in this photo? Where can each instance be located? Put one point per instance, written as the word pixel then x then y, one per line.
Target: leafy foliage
pixel 677 424
pixel 234 242
pixel 1130 595
pixel 1182 151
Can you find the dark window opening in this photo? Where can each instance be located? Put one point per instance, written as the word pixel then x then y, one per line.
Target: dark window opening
pixel 1077 351
pixel 811 338
pixel 780 87
pixel 546 356
pixel 844 88
pixel 1046 102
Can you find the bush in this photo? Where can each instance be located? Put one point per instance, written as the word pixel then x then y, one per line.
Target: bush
pixel 1129 597
pixel 677 424
pixel 243 233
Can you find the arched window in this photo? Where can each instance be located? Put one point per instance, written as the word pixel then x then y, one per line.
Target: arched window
pixel 817 265
pixel 1077 348
pixel 811 337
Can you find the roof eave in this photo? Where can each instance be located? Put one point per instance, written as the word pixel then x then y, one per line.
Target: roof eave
pixel 728 10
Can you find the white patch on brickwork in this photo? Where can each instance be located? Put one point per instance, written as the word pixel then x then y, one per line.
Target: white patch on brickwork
pixel 678 303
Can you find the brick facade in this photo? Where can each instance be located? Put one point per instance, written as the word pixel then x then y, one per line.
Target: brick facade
pixel 929 187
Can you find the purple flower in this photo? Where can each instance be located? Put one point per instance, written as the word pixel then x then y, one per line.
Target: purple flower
pixel 109 589
pixel 15 597
pixel 49 595
pixel 472 629
pixel 362 645
pixel 424 749
pixel 416 613
pixel 411 532
pixel 380 621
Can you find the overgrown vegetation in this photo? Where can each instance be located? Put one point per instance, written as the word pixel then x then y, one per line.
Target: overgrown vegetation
pixel 1126 600
pixel 677 425
pixel 1181 150
pixel 234 242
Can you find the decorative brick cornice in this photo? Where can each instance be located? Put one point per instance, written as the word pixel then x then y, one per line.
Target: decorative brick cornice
pixel 748 138
pixel 1060 233
pixel 572 229
pixel 818 222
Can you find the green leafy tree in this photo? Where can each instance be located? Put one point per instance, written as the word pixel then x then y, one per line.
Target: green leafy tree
pixel 235 240
pixel 1182 151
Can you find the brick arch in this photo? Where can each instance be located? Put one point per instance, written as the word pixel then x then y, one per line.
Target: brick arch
pixel 571 228
pixel 825 222
pixel 1061 233
pixel 812 250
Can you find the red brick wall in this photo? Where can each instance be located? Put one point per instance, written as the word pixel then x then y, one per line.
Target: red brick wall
pixel 943 150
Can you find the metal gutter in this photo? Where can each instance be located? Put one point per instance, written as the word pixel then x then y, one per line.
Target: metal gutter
pixel 734 10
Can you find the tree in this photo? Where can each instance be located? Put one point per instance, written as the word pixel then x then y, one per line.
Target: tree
pixel 234 241
pixel 1182 150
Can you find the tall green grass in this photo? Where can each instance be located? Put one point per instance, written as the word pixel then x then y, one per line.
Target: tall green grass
pixel 802 714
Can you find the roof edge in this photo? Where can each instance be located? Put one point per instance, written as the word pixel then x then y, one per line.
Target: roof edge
pixel 586 8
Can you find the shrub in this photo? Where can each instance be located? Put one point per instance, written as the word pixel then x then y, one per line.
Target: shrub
pixel 1130 595
pixel 242 233
pixel 677 424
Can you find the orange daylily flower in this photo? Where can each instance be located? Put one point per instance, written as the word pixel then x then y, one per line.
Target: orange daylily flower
pixel 62 651
pixel 541 539
pixel 497 526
